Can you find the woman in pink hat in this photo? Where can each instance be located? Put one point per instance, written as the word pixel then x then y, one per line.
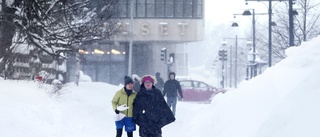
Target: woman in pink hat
pixel 150 110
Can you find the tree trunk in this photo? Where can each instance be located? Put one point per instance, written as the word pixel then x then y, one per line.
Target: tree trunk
pixel 7 30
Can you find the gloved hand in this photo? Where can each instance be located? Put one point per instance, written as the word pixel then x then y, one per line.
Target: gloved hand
pixel 122 107
pixel 117 111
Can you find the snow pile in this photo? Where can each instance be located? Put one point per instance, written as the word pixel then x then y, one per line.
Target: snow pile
pixel 282 102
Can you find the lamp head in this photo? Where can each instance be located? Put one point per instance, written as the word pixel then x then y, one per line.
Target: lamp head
pixel 234 24
pixel 224 43
pixel 246 13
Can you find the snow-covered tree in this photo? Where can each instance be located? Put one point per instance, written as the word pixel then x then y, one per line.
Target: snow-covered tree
pixel 54 25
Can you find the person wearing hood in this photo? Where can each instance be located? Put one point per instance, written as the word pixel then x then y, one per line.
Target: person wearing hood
pixel 171 87
pixel 150 111
pixel 125 96
pixel 160 82
pixel 136 82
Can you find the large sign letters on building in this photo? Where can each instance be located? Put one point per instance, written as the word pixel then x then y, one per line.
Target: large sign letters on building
pixel 162 30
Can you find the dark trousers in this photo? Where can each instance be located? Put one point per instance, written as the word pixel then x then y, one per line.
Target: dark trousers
pixel 151 135
pixel 119 133
pixel 144 132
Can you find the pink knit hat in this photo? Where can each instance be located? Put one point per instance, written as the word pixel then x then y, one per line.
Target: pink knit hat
pixel 148 78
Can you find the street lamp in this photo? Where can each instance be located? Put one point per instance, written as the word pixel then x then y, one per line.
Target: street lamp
pixel 235 24
pixel 271 23
pixel 236 57
pixel 247 13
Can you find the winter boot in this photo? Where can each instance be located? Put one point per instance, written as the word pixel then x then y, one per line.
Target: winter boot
pixel 129 134
pixel 119 132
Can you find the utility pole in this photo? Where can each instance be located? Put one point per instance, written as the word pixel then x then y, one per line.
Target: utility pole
pixel 131 39
pixel 223 57
pixel 270 34
pixel 230 80
pixel 236 64
pixel 236 59
pixel 291 36
pixel 254 41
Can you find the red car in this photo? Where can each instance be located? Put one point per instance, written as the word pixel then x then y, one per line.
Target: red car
pixel 194 90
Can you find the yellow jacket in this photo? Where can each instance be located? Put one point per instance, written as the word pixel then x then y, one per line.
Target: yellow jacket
pixel 120 98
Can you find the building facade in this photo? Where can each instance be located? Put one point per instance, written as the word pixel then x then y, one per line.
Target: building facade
pixel 151 26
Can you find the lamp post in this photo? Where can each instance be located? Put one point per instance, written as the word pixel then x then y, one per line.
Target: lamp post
pixel 270 34
pixel 269 31
pixel 247 13
pixel 131 39
pixel 291 36
pixel 236 59
pixel 251 56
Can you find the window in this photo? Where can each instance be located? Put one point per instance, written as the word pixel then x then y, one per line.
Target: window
pixel 178 10
pixel 169 8
pixel 141 8
pixel 123 8
pixel 117 52
pixel 159 8
pixel 186 84
pixel 197 8
pixel 200 85
pixel 187 8
pixel 150 8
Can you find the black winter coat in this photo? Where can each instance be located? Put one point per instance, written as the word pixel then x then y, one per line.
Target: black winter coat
pixel 171 87
pixel 160 83
pixel 150 111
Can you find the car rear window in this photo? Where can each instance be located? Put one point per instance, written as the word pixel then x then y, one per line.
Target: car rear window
pixel 200 85
pixel 186 84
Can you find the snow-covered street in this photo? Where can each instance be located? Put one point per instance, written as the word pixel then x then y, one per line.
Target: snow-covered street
pixel 282 102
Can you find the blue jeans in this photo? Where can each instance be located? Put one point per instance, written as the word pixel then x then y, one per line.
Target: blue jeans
pixel 130 126
pixel 172 101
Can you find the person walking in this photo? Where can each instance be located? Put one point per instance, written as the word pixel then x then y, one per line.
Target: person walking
pixel 171 87
pixel 136 82
pixel 125 97
pixel 150 111
pixel 160 82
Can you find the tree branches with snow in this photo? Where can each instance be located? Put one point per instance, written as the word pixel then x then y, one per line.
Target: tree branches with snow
pixel 53 25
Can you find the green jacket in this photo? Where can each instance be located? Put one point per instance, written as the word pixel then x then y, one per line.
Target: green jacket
pixel 121 98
